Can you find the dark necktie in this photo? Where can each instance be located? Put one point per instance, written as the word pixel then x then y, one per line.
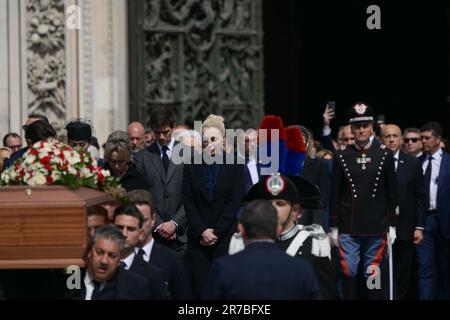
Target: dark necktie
pixel 139 258
pixel 428 179
pixel 97 290
pixel 165 158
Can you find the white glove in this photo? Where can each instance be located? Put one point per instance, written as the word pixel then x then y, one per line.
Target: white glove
pixel 236 244
pixel 334 236
pixel 392 235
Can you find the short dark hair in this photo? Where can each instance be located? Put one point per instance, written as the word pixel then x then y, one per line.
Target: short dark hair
pixel 98 211
pixel 161 116
pixel 38 116
pixel 260 220
pixel 39 130
pixel 141 197
pixel 411 130
pixel 109 232
pixel 434 127
pixel 10 134
pixel 129 210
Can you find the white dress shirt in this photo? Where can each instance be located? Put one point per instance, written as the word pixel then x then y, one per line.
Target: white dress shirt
pixel 147 250
pixel 89 284
pixel 435 166
pixel 128 261
pixel 169 146
pixel 396 159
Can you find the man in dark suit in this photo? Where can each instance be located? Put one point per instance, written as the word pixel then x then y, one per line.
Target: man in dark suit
pixel 165 180
pixel 149 251
pixel 410 213
pixel 18 154
pixel 104 279
pixel 433 254
pixel 262 271
pixel 247 151
pixel 129 220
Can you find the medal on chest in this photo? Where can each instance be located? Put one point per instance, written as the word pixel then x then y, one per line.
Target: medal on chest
pixel 363 160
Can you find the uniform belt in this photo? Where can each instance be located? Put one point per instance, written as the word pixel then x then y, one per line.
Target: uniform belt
pixel 431 212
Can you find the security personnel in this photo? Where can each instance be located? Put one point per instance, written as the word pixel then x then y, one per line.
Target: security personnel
pixel 363 201
pixel 290 195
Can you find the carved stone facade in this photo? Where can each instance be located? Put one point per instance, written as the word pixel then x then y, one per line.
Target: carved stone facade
pixel 198 57
pixel 46 59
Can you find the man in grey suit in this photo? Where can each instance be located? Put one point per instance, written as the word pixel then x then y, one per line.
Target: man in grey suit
pixel 165 180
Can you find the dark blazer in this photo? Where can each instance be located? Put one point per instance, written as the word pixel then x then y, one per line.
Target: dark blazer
pixel 411 196
pixel 157 287
pixel 16 155
pixel 173 271
pixel 443 195
pixel 220 213
pixel 166 190
pixel 316 172
pixel 127 286
pixel 132 179
pixel 261 272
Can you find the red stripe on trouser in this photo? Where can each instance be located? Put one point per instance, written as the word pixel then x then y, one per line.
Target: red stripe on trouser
pixel 343 262
pixel 379 255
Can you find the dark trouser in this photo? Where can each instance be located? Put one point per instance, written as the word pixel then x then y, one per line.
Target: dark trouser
pixel 403 257
pixel 199 260
pixel 351 249
pixel 433 259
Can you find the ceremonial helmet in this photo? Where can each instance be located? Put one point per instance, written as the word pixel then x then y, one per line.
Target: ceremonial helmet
pixel 360 112
pixel 291 188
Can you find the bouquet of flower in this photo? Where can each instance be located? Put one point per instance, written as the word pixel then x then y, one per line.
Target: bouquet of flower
pixel 51 162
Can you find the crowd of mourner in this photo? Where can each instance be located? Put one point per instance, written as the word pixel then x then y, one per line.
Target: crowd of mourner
pixel 358 213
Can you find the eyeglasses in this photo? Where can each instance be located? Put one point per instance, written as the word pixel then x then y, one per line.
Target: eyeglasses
pixel 413 140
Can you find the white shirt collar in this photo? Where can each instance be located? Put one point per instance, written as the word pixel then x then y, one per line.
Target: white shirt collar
pixel 437 155
pixel 170 145
pixel 147 250
pixel 129 260
pixel 89 284
pixel 397 154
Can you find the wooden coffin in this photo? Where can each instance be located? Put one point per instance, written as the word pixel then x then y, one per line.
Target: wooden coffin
pixel 44 227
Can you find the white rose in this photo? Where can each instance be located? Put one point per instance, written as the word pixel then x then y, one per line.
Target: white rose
pixel 29 159
pixel 85 172
pixel 5 177
pixel 37 180
pixel 106 173
pixel 72 157
pixel 55 176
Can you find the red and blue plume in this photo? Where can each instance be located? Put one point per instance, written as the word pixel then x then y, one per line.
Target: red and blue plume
pixel 267 156
pixel 296 151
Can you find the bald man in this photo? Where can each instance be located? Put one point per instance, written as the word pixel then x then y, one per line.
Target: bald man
pixel 136 133
pixel 411 210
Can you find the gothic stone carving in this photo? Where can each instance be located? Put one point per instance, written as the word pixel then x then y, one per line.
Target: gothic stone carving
pixel 201 57
pixel 46 68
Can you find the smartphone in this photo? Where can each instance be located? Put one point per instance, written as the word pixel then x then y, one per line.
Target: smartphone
pixel 332 105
